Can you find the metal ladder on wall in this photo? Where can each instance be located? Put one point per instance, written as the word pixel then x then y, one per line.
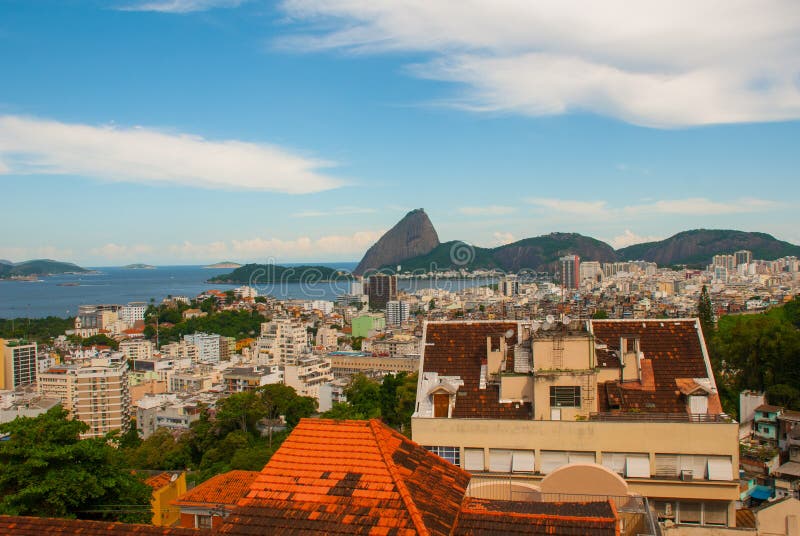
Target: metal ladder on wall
pixel 588 388
pixel 558 352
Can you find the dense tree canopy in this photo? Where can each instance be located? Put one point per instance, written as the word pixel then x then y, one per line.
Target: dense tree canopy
pixel 392 400
pixel 47 470
pixel 759 352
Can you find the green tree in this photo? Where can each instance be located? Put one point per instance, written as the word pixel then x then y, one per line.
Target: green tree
pixel 364 395
pixel 47 470
pixel 240 411
pixel 705 311
pixel 600 314
pixel 100 340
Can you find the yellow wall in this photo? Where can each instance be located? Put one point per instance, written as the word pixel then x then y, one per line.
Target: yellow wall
pixel 164 513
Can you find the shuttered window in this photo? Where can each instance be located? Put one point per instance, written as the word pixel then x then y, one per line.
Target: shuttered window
pixel 689 513
pixel 522 461
pixel 615 461
pixel 637 466
pixel 500 460
pixel 473 460
pixel 552 460
pixel 667 465
pixel 720 468
pixel 581 457
pixel 715 513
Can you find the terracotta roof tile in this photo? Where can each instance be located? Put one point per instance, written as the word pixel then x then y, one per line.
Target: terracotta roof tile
pixel 672 350
pixel 159 481
pixel 350 477
pixel 225 489
pixel 458 349
pixel 36 526
pixel 484 516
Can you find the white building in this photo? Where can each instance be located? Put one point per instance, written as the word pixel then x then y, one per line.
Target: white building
pixel 281 340
pixel 207 346
pixel 396 312
pixel 132 312
pixel 139 349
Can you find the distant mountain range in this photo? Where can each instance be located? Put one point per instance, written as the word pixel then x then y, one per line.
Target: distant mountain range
pixel 541 253
pixel 38 267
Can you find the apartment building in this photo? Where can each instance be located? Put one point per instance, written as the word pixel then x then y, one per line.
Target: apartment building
pixel 393 345
pixel 18 366
pixel 133 312
pixel 346 364
pixel 306 374
pixel 281 340
pixel 207 344
pixel 137 349
pixel 244 379
pixel 95 392
pixel 397 312
pixel 181 350
pixel 512 403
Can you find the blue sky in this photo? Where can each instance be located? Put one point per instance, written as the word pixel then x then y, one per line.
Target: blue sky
pixel 192 131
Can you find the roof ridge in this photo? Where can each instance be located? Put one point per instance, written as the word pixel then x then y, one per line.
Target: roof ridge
pixel 416 516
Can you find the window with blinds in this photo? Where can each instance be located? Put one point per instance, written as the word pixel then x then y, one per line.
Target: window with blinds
pixel 500 460
pixel 522 461
pixel 715 513
pixel 675 465
pixel 628 464
pixel 474 460
pixel 689 513
pixel 720 468
pixel 553 459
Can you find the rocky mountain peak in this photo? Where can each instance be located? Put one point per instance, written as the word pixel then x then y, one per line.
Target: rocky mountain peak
pixel 411 237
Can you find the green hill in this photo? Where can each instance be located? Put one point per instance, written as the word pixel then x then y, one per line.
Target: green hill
pixel 39 267
pixel 255 274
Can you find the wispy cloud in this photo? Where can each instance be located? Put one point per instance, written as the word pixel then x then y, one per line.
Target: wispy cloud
pixel 118 252
pixel 489 210
pixel 690 206
pixel 19 254
pixel 181 6
pixel 628 238
pixel 336 211
pixel 571 206
pixel 502 238
pixel 30 146
pixel 281 250
pixel 649 62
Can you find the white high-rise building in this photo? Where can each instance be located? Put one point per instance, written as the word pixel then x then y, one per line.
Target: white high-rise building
pixel 396 312
pixel 132 312
pixel 207 346
pixel 282 340
pixel 17 363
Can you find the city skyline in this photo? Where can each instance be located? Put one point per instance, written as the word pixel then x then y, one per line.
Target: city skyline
pixel 195 131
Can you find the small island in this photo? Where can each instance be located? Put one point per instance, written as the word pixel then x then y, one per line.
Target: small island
pixel 138 266
pixel 254 274
pixel 228 265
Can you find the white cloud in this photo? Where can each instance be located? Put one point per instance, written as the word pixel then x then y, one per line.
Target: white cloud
pixel 277 249
pixel 502 238
pixel 628 238
pixel 114 251
pixel 701 205
pixel 337 211
pixel 144 155
pixel 570 206
pixel 182 6
pixel 490 210
pixel 649 62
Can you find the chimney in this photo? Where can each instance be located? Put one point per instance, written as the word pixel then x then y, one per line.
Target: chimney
pixel 495 359
pixel 630 359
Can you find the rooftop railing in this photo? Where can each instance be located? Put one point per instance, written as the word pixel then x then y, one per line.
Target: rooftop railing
pixel 659 417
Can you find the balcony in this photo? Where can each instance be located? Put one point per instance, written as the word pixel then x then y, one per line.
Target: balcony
pixel 659 417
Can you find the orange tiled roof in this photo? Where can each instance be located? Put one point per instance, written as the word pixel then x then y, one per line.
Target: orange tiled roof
pixel 159 481
pixel 485 516
pixel 673 350
pixel 226 489
pixel 458 349
pixel 36 526
pixel 350 477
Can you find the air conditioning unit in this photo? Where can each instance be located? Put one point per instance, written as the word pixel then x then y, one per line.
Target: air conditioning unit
pixel 686 475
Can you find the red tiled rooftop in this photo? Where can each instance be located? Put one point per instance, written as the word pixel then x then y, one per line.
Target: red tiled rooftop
pixel 350 477
pixel 159 481
pixel 36 526
pixel 225 489
pixel 673 351
pixel 458 349
pixel 485 516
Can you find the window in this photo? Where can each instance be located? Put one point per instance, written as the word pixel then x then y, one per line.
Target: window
pixel 202 522
pixel 565 396
pixel 522 461
pixel 676 465
pixel 720 468
pixel 499 461
pixel 473 460
pixel 664 509
pixel 553 459
pixel 715 513
pixel 689 513
pixel 628 464
pixel 451 454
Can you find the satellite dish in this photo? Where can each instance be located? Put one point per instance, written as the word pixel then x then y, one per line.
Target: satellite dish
pixel 550 319
pixel 546 326
pixel 535 326
pixel 566 320
pixel 174 477
pixel 509 333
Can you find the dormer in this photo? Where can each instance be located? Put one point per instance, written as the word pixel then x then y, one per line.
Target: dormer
pixel 696 395
pixel 442 397
pixel 630 357
pixel 495 356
